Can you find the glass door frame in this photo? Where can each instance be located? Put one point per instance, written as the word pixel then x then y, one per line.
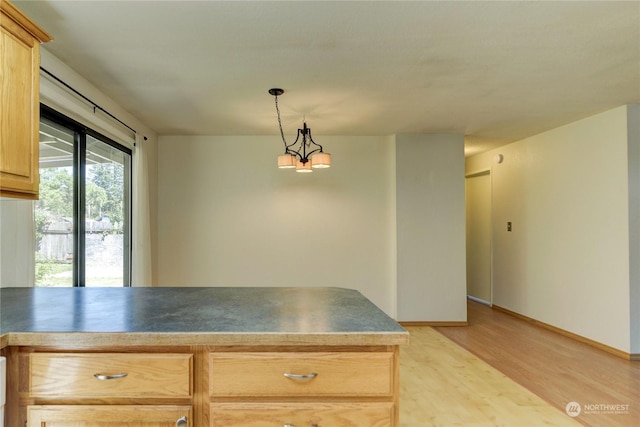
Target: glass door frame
pixel 79 194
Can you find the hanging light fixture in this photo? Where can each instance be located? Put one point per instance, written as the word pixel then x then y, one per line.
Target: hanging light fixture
pixel 308 154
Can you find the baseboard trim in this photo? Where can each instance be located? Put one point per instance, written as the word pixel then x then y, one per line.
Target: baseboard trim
pixel 585 340
pixel 479 300
pixel 634 357
pixel 435 323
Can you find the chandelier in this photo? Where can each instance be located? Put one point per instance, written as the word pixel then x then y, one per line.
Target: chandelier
pixel 304 153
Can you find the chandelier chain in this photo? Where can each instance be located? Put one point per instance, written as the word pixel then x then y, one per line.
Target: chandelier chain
pixel 280 126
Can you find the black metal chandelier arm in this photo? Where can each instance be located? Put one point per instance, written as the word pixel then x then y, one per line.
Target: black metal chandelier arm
pixel 317 145
pixel 294 153
pixel 293 144
pixel 317 150
pixel 311 139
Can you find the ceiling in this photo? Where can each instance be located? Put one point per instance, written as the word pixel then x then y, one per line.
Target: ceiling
pixel 496 71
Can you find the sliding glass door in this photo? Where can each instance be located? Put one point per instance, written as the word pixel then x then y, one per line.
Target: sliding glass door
pixel 54 212
pixel 107 214
pixel 83 217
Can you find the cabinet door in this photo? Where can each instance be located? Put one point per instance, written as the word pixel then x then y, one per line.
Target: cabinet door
pixel 19 102
pixel 109 416
pixel 18 139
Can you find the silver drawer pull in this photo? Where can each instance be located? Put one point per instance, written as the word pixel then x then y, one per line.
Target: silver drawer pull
pixel 300 377
pixel 103 377
pixel 182 422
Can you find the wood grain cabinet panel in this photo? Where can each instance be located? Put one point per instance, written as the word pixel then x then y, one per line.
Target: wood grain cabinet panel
pixel 20 40
pixel 215 386
pixel 303 415
pixel 108 375
pixel 109 416
pixel 295 374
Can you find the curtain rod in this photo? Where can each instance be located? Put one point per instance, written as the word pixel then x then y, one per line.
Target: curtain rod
pixel 95 106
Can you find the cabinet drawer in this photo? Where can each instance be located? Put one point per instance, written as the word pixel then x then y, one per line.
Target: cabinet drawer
pixel 109 416
pixel 57 375
pixel 301 374
pixel 302 415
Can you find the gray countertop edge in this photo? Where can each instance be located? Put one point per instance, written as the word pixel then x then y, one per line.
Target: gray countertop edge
pixel 79 340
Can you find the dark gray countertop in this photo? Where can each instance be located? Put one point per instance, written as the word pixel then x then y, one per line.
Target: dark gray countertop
pixel 187 315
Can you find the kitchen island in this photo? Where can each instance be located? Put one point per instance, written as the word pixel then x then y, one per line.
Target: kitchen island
pixel 199 357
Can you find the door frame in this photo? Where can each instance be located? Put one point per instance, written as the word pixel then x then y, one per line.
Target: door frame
pixel 475 174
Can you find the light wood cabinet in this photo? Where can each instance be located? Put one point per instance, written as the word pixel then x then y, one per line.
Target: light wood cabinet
pixel 212 386
pixel 86 389
pixel 295 374
pixel 215 361
pixel 20 40
pixel 108 416
pixel 345 388
pixel 110 375
pixel 303 414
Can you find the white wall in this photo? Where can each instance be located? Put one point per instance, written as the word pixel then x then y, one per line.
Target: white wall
pixel 431 228
pixel 17 245
pixel 227 216
pixel 566 262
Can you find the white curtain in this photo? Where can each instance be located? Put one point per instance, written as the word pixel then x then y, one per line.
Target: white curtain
pixel 141 270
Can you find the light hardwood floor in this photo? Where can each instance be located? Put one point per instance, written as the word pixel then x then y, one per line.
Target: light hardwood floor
pixel 442 384
pixel 500 360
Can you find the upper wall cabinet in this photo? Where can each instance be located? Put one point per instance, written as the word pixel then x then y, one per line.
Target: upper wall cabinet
pixel 19 102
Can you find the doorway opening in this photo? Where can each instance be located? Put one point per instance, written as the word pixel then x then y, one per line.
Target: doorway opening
pixel 478 234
